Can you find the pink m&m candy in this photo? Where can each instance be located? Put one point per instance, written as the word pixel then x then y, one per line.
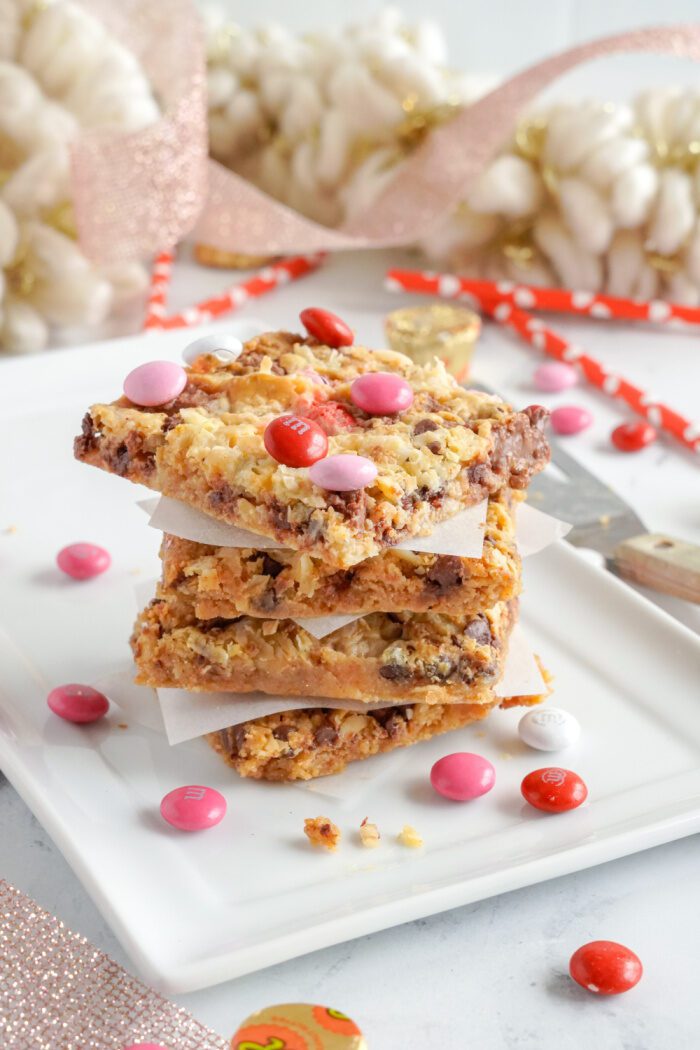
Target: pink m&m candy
pixel 570 419
pixel 155 383
pixel 555 376
pixel 382 393
pixel 82 561
pixel 193 807
pixel 462 776
pixel 77 703
pixel 343 473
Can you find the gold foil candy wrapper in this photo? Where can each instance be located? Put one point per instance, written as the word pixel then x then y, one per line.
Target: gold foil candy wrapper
pixel 206 255
pixel 439 330
pixel 298 1026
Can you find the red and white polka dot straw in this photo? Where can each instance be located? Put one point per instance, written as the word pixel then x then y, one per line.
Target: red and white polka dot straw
pixel 160 280
pixel 560 300
pixel 534 332
pixel 265 280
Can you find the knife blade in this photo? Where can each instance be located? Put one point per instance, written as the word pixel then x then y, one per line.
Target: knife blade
pixel 603 521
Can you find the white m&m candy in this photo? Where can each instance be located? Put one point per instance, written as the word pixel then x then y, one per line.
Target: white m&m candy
pixel 548 729
pixel 225 348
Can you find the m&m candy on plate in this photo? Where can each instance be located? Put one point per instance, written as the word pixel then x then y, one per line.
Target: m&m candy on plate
pixel 462 776
pixel 548 729
pixel 570 419
pixel 193 807
pixel 82 561
pixel 555 376
pixel 605 967
pixel 633 437
pixel 295 441
pixel 554 790
pixel 78 703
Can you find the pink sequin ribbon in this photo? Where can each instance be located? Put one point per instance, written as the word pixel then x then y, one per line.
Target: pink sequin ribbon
pixel 142 192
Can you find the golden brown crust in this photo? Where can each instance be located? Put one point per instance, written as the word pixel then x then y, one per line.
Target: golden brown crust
pixel 230 581
pixel 424 657
pixel 449 450
pixel 302 745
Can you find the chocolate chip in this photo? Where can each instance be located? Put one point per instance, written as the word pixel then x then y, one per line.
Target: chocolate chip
pixel 215 624
pixel 282 732
pixel 325 736
pixel 465 670
pixel 222 496
pixel 435 447
pixel 240 737
pixel 271 567
pixel 171 422
pixel 479 630
pixel 439 670
pixel 87 440
pixel 445 573
pixel 120 459
pixel 396 672
pixel 424 425
pixel 268 600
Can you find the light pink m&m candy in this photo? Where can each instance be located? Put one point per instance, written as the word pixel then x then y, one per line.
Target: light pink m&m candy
pixel 193 807
pixel 77 703
pixel 462 776
pixel 155 383
pixel 570 419
pixel 555 376
pixel 343 473
pixel 382 393
pixel 82 561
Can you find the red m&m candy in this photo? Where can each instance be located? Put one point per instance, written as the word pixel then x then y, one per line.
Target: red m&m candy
pixel 382 393
pixel 605 967
pixel 295 441
pixel 631 437
pixel 193 807
pixel 77 703
pixel 82 561
pixel 326 327
pixel 554 790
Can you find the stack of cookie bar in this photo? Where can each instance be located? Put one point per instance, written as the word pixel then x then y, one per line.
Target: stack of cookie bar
pixel 333 455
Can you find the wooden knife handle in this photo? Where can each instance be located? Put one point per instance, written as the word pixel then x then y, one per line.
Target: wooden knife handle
pixel 661 562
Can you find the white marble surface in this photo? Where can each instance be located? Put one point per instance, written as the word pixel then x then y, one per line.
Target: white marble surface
pixel 493 974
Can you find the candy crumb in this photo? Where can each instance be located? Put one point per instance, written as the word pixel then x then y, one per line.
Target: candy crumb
pixel 320 831
pixel 408 836
pixel 369 834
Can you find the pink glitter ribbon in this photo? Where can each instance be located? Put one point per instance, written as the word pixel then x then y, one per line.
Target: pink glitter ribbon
pixel 59 992
pixel 140 193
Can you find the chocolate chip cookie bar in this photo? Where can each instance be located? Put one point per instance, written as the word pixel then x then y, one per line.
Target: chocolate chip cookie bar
pixel 448 449
pixel 424 657
pixel 301 745
pixel 230 581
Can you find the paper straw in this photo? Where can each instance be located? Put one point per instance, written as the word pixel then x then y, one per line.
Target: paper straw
pixel 262 282
pixel 557 300
pixel 534 332
pixel 157 296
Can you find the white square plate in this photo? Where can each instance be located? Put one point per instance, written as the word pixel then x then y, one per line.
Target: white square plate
pixel 196 909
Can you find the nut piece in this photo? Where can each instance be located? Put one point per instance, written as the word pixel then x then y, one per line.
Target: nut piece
pixel 369 835
pixel 321 831
pixel 408 836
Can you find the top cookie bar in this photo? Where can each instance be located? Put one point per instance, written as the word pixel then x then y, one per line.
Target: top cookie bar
pixel 449 449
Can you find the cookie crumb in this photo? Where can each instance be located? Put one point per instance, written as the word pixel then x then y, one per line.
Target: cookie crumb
pixel 320 831
pixel 506 755
pixel 369 835
pixel 122 725
pixel 604 520
pixel 10 530
pixel 408 836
